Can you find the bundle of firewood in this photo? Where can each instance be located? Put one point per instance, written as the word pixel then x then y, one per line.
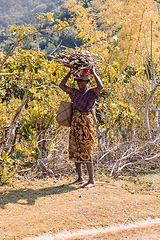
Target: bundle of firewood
pixel 80 62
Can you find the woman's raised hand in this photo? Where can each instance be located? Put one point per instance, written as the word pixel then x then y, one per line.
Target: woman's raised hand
pixel 71 71
pixel 93 70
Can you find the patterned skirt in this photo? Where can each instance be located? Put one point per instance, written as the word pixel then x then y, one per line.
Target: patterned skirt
pixel 81 138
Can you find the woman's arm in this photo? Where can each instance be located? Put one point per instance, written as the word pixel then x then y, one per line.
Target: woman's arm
pixel 98 81
pixel 63 85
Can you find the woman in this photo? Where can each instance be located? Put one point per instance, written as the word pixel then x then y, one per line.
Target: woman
pixel 81 136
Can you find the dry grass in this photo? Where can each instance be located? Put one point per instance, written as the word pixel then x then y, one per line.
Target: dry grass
pixel 147 232
pixel 42 206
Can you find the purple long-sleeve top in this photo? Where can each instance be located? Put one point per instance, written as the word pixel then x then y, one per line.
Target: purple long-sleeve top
pixel 85 101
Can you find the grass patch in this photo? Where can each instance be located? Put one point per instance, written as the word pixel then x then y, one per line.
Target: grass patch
pixel 42 206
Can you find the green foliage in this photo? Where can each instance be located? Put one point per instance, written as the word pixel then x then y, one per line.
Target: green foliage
pixel 50 43
pixel 23 64
pixel 126 87
pixel 24 11
pixel 38 115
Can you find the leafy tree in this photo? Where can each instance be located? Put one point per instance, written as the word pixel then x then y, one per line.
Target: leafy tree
pixel 125 40
pixel 68 38
pixel 120 32
pixel 27 80
pixel 114 27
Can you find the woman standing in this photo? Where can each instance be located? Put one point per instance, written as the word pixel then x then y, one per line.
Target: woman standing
pixel 81 138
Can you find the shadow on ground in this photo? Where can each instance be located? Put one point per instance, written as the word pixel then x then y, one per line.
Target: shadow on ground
pixel 30 195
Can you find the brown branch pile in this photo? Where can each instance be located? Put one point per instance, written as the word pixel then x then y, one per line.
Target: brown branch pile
pixel 132 157
pixel 138 156
pixel 78 61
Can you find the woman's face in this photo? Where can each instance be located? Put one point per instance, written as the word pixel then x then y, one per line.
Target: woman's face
pixel 81 84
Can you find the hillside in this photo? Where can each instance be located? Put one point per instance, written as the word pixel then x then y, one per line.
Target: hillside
pixel 22 11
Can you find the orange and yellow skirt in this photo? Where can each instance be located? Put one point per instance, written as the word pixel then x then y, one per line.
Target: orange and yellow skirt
pixel 81 138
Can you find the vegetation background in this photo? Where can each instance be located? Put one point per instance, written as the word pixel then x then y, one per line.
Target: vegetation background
pixel 35 196
pixel 22 13
pixel 125 37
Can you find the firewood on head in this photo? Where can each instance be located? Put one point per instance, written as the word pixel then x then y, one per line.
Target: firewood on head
pixel 79 61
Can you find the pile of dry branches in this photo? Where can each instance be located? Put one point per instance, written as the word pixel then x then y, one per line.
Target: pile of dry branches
pixel 137 156
pixel 133 157
pixel 126 157
pixel 79 61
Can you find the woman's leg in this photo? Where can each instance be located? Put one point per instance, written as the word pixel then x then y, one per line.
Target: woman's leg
pixel 79 172
pixel 90 170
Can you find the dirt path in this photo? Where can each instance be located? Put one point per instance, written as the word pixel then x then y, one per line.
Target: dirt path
pixel 147 230
pixel 113 210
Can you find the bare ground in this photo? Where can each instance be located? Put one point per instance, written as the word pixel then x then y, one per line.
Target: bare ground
pixel 113 209
pixel 145 230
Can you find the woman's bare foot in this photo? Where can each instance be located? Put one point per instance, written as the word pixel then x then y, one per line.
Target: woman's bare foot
pixel 78 181
pixel 88 185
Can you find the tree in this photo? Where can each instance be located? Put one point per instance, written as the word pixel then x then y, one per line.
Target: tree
pixel 27 81
pixel 113 29
pixel 116 26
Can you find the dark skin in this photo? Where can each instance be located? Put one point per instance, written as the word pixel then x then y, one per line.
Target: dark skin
pixel 82 85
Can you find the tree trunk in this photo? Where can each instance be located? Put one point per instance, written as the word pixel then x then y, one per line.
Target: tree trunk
pixel 147 121
pixel 156 122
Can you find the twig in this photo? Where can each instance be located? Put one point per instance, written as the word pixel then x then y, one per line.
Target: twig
pixel 55 49
pixel 130 217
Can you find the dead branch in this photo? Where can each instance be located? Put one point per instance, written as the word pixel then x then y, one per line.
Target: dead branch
pixel 146 111
pixel 36 33
pixel 9 74
pixel 42 162
pixel 79 61
pixel 11 131
pixel 131 155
